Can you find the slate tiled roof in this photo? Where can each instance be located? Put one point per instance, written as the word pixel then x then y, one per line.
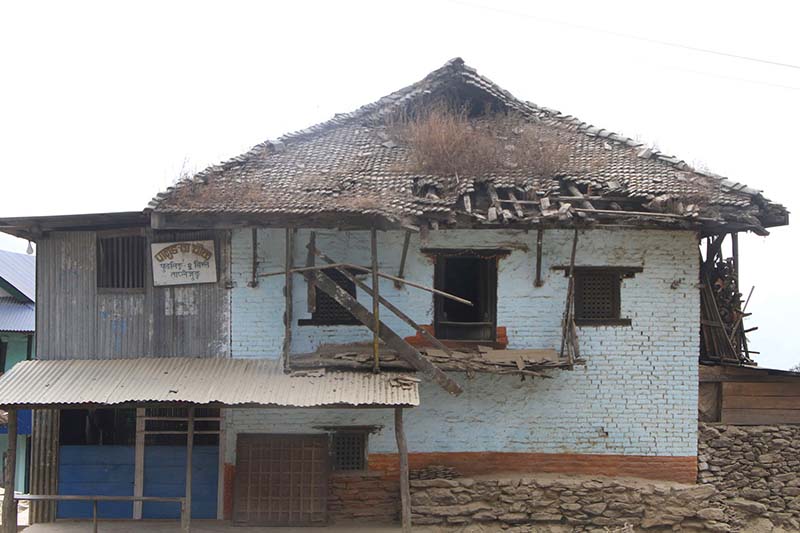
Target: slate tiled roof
pixel 349 165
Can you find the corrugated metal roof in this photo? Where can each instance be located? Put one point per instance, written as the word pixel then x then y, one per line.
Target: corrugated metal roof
pixel 20 271
pixel 197 380
pixel 16 315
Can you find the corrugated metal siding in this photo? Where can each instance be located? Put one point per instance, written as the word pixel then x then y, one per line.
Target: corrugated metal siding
pixel 196 380
pixel 76 320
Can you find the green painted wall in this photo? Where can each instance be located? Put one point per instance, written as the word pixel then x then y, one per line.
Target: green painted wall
pixel 17 351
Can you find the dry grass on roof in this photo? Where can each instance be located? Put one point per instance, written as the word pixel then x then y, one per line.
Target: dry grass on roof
pixel 445 141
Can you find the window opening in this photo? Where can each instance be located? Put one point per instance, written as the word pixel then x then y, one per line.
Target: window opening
pixel 121 262
pixel 474 278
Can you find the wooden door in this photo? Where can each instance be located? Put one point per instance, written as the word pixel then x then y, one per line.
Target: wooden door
pixel 281 480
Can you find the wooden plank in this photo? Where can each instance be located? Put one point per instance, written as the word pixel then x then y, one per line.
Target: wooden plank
pixel 392 340
pixel 388 305
pixel 311 296
pixel 761 402
pixel 405 484
pixel 760 389
pixel 376 306
pixel 138 462
pixel 402 270
pixel 515 203
pixel 287 292
pixel 750 374
pixel 539 238
pixel 757 417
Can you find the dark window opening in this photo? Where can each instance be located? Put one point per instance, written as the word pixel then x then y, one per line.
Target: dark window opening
pixel 167 426
pixel 327 311
pixel 349 451
pixel 121 262
pixel 597 297
pixel 98 427
pixel 473 278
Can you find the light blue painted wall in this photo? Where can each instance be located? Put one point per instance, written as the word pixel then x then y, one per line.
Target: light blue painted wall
pixel 637 393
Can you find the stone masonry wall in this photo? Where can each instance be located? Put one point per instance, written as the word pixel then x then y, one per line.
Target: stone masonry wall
pixel 636 394
pixel 757 464
pixel 575 504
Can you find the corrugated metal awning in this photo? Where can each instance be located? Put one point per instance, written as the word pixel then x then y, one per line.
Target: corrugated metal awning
pixel 197 380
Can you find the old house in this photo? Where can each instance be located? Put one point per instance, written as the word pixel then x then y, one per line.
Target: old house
pixel 449 280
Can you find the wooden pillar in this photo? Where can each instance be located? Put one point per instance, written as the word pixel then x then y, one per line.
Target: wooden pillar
pixel 735 253
pixel 539 237
pixel 375 302
pixel 138 462
pixel 9 503
pixel 287 291
pixel 402 271
pixel 405 488
pixel 189 450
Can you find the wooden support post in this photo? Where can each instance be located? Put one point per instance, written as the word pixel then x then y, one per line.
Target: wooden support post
pixel 735 253
pixel 539 239
pixel 138 463
pixel 254 276
pixel 311 294
pixel 568 332
pixel 287 292
pixel 402 270
pixel 9 503
pixel 405 488
pixel 393 341
pixel 376 306
pixel 189 450
pixel 94 515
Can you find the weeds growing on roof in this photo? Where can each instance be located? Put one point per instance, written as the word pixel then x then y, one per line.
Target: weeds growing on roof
pixel 445 141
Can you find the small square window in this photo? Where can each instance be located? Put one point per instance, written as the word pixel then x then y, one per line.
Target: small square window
pixel 121 262
pixel 327 311
pixel 349 451
pixel 597 297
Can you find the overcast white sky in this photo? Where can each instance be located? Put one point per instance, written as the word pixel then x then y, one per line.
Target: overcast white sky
pixel 102 102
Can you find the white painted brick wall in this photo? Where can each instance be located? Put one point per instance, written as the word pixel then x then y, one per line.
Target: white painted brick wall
pixel 637 393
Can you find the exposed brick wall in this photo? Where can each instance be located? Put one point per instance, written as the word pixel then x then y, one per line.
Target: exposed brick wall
pixel 636 395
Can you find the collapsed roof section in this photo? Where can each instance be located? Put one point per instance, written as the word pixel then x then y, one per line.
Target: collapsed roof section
pixel 352 170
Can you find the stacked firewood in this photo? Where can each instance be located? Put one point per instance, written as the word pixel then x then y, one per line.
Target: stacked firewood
pixel 434 472
pixel 723 331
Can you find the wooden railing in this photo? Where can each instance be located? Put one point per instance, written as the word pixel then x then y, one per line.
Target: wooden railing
pixel 185 517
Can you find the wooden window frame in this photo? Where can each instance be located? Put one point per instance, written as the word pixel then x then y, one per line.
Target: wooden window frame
pixel 351 289
pixel 362 434
pixel 440 256
pixel 618 273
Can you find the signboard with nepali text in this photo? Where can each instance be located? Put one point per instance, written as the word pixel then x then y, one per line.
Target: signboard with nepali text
pixel 183 263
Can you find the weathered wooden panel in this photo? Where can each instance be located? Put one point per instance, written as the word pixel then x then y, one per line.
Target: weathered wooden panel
pixel 708 405
pixel 761 389
pixel 758 417
pixel 77 321
pixel 761 402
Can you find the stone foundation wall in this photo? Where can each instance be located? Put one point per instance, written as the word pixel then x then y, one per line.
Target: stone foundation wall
pixel 578 504
pixel 363 497
pixel 760 464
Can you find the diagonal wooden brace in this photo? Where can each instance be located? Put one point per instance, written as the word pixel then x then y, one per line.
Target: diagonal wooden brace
pixel 404 350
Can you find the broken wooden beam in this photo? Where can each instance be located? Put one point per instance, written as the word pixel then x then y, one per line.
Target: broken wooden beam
pixel 387 304
pixel 392 340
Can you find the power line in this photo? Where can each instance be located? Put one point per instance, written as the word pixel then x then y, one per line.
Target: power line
pixel 629 36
